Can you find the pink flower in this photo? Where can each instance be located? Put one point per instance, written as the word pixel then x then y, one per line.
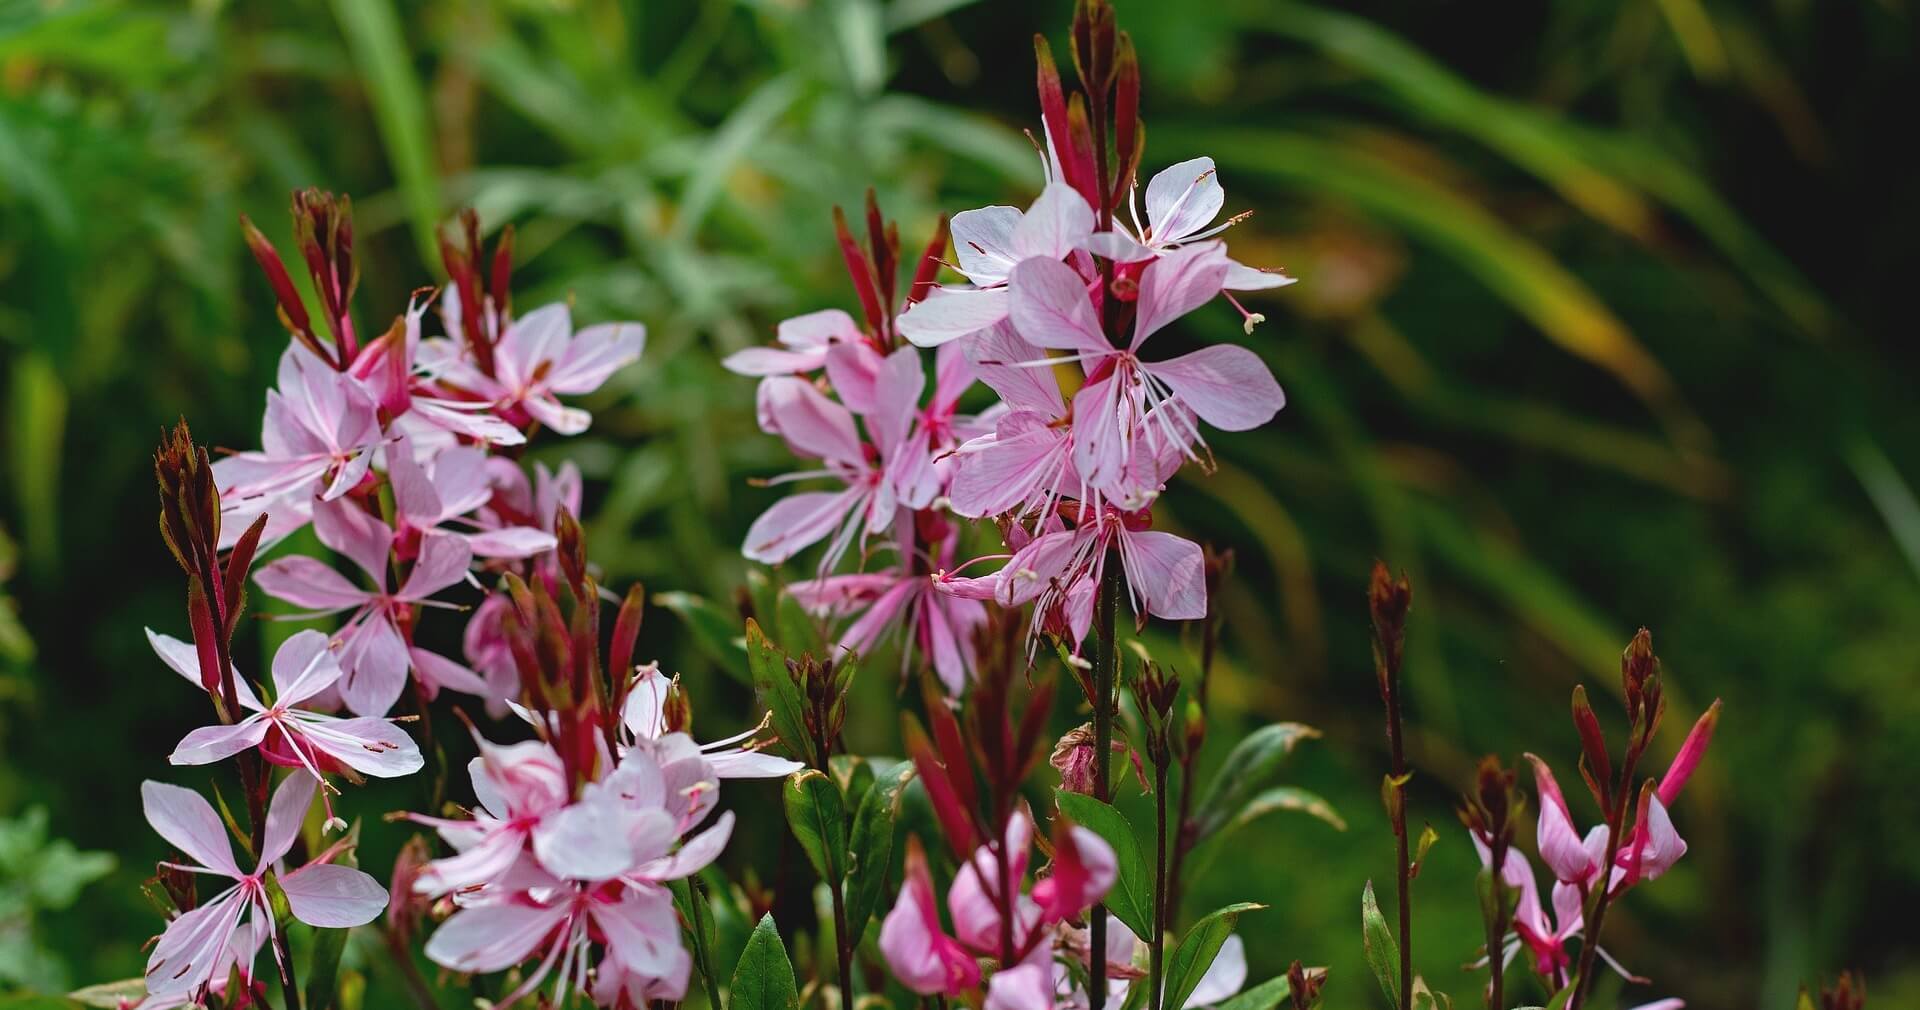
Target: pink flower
pixel 1182 202
pixel 288 735
pixel 320 428
pixel 880 477
pixel 1060 571
pixel 989 243
pixel 390 371
pixel 1027 986
pixel 1229 387
pixel 538 359
pixel 453 485
pixel 204 940
pixel 644 717
pixel 941 626
pixel 375 653
pixel 518 787
pixel 918 951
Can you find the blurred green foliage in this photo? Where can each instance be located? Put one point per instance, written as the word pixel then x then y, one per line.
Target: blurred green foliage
pixel 1598 327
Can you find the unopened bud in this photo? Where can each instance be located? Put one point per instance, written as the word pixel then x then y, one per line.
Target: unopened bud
pixel 676 712
pixel 1388 601
pixel 1304 985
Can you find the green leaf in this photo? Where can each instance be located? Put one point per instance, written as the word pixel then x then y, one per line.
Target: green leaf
pixel 379 48
pixel 763 980
pixel 871 846
pixel 1132 895
pixel 817 813
pixel 1265 996
pixel 1191 959
pixel 323 969
pixel 777 691
pixel 1382 950
pixel 1247 765
pixel 712 627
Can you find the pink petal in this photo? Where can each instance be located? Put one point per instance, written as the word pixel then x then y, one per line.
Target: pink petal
pixel 537 337
pixel 1050 308
pixel 511 542
pixel 1183 199
pixel 693 856
pixel 1007 470
pixel 1168 572
pixel 188 823
pixel 192 948
pixel 1058 223
pixel 813 330
pixel 414 496
pixel 443 561
pixel 983 243
pixel 795 522
pixel 562 419
pixel 285 814
pixel 760 361
pixel 1241 277
pixel 1024 987
pixel 208 744
pixel 479 863
pixel 308 582
pixel 896 399
pixel 952 313
pixel 1119 247
pixel 811 424
pixel 375 658
pixel 348 529
pixel 996 356
pixel 594 355
pixel 641 931
pixel 183 659
pixel 1102 423
pixel 1176 284
pixel 435 672
pixel 493 937
pixel 303 666
pixel 853 369
pixel 1228 386
pixel 1689 755
pixel 836 593
pixel 923 958
pixel 751 764
pixel 333 897
pixel 1084 868
pixel 1224 976
pixel 368 745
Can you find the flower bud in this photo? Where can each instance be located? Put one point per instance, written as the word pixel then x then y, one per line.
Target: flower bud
pixel 1304 985
pixel 1388 601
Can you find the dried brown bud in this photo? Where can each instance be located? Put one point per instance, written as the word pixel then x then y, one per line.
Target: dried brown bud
pixel 1849 993
pixel 405 907
pixel 1075 758
pixel 1388 601
pixel 676 712
pixel 1492 809
pixel 1304 985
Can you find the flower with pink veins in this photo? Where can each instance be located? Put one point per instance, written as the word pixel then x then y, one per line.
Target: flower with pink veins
pixel 239 955
pixel 375 654
pixel 1226 386
pixel 1182 202
pixel 989 243
pixel 879 476
pixel 1060 571
pixel 537 360
pixel 940 625
pixel 736 757
pixel 517 787
pixel 203 940
pixel 1084 867
pixel 289 735
pixel 454 486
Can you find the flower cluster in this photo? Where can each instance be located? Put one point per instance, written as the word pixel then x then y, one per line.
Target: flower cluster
pixel 1070 473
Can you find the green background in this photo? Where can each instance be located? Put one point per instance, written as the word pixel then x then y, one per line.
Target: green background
pixel 1601 323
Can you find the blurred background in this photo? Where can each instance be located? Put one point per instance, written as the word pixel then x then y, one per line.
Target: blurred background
pixel 1598 327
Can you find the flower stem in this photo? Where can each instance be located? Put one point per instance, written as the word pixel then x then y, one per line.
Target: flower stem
pixel 1106 612
pixel 1158 944
pixel 843 942
pixel 1590 945
pixel 1403 869
pixel 1496 932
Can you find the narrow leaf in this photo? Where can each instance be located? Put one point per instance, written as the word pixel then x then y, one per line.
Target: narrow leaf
pixel 1247 766
pixel 1382 950
pixel 1190 960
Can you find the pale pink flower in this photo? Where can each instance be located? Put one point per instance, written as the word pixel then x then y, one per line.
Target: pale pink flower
pixel 448 489
pixel 1182 202
pixel 537 360
pixel 939 626
pixel 287 734
pixel 736 757
pixel 203 940
pixel 390 370
pixel 989 243
pixel 1226 386
pixel 375 653
pixel 1060 572
pixel 880 477
pixel 517 787
pixel 239 955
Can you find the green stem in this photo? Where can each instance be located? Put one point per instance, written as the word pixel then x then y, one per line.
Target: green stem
pixel 1106 612
pixel 1158 944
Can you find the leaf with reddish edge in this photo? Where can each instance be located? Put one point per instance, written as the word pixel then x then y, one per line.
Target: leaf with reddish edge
pixel 955 819
pixel 767 665
pixel 238 562
pixel 929 266
pixel 861 270
pixel 626 630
